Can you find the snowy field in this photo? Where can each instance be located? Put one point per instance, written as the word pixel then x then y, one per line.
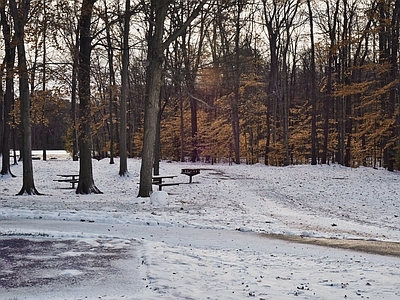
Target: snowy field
pixel 227 235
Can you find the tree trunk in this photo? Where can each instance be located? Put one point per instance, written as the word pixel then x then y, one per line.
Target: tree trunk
pixel 268 133
pixel 236 85
pixel 191 70
pixel 182 131
pixel 111 85
pixel 157 145
pixel 20 15
pixel 394 93
pixel 74 84
pixel 313 91
pixel 152 98
pixel 155 52
pixel 332 25
pixel 44 127
pixel 9 95
pixel 86 184
pixel 123 167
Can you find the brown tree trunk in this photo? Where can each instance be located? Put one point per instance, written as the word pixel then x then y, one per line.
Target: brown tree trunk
pixel 236 83
pixel 74 87
pixel 155 52
pixel 152 99
pixel 390 152
pixel 86 184
pixel 20 14
pixel 111 84
pixel 123 167
pixel 332 25
pixel 313 91
pixel 9 95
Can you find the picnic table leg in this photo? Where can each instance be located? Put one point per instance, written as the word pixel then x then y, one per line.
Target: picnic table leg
pixel 190 178
pixel 73 181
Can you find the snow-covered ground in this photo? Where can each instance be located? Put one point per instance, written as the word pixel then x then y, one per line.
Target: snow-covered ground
pixel 215 238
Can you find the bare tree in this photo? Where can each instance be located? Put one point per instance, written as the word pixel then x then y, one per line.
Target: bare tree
pixel 278 17
pixel 329 26
pixel 156 48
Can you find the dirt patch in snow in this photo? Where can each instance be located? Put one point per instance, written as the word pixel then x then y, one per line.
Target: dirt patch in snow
pixel 368 246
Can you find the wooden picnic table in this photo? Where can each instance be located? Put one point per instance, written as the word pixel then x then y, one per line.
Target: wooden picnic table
pixel 159 180
pixel 71 178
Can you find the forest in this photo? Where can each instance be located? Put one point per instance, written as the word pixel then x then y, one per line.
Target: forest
pixel 261 81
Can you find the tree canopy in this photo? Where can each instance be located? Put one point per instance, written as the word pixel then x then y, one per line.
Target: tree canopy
pixel 274 82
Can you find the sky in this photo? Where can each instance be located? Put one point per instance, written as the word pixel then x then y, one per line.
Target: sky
pixel 233 233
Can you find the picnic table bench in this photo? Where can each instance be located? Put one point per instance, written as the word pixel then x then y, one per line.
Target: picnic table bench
pixel 159 180
pixel 190 172
pixel 71 178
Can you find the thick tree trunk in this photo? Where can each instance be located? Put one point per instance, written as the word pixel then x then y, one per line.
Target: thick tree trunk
pixel 152 99
pixel 86 184
pixel 155 52
pixel 150 125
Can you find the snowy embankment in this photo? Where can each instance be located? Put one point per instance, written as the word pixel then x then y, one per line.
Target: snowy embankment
pixel 202 240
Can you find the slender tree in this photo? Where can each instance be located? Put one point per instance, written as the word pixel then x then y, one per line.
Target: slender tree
pixel 236 83
pixel 313 90
pixel 111 84
pixel 394 92
pixel 9 59
pixel 20 15
pixel 123 168
pixel 329 27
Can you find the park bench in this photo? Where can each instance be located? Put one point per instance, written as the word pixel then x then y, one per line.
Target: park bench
pixel 70 178
pixel 159 180
pixel 190 173
pixel 160 185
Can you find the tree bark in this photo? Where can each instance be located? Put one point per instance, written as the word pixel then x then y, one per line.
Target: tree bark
pixel 111 83
pixel 123 167
pixel 20 15
pixel 155 53
pixel 74 84
pixel 152 98
pixel 9 94
pixel 236 83
pixel 313 91
pixel 394 69
pixel 86 184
